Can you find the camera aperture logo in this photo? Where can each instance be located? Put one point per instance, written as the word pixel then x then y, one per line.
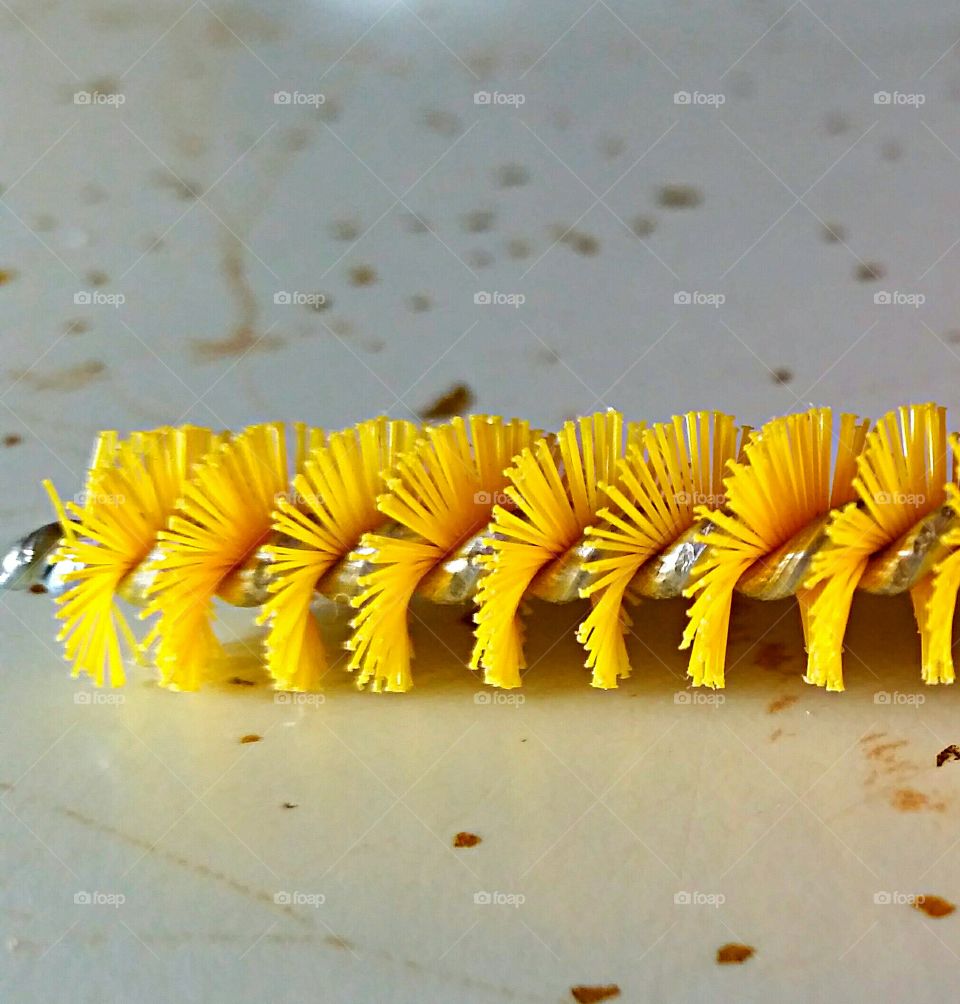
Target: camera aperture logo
pixel 698 298
pixel 514 899
pixel 296 897
pixel 298 98
pixel 498 299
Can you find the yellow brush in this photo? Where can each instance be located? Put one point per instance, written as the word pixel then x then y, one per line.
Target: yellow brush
pixel 490 512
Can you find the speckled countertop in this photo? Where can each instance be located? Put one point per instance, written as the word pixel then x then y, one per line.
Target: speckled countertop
pixel 223 213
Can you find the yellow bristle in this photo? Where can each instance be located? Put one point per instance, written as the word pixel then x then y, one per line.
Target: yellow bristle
pixel 782 485
pixel 443 491
pixel 223 516
pixel 938 612
pixel 132 488
pixel 675 471
pixel 554 509
pixel 900 479
pixel 334 504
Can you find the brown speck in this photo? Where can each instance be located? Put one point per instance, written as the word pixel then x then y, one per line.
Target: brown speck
pixel 7 275
pixel 239 681
pixel 322 302
pixel 775 735
pixel 592 994
pixel 291 805
pixel 884 751
pixel 836 123
pixel 479 258
pixel 911 800
pixel 44 222
pixel 518 248
pixel 77 326
pixel 871 736
pixel 420 303
pixel 441 122
pixel 950 753
pixel 97 277
pixel 545 354
pixel 734 953
pixel 251 738
pixel 338 941
pixel 93 193
pixel 191 144
pixel 511 176
pixel 342 327
pixel 612 147
pixel 414 223
pixel 37 589
pixel 867 271
pixel 833 233
pixel 643 226
pixel 782 375
pixel 576 240
pixel 362 275
pixel 295 139
pixel 345 229
pixel 465 839
pixel 679 196
pixel 454 402
pixel 478 221
pixel 933 906
pixel 771 655
pixel 781 704
pixel 103 85
pixel 66 379
pixel 185 190
pixel 890 149
pixel 12 439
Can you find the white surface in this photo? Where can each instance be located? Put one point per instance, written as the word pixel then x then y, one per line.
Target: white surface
pixel 597 808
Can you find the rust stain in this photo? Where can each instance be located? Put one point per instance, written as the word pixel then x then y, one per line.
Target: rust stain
pixel 198 868
pixel 479 221
pixel 454 402
pixel 933 906
pixel 911 800
pixel 466 839
pixel 781 703
pixel 679 196
pixel 771 655
pixel 244 337
pixel 883 751
pixel 577 240
pixel 67 378
pixel 734 953
pixel 7 275
pixel 592 993
pixel 362 275
pixel 251 738
pixel 12 439
pixel 775 735
pixel 950 753
pixel 867 271
pixel 782 375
